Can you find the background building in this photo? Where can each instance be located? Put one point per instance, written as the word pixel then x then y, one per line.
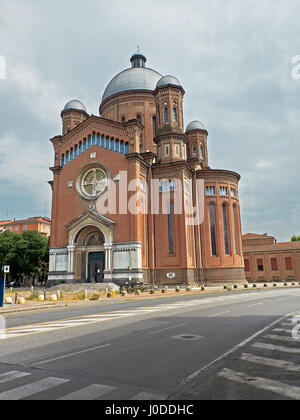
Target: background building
pixel 269 261
pixel 141 132
pixel 38 224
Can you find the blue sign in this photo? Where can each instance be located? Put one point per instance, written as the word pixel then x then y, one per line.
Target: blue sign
pixel 2 288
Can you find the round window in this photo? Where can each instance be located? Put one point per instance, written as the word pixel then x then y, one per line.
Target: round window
pixel 92 183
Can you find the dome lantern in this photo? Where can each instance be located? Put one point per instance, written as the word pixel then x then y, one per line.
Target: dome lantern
pixel 138 60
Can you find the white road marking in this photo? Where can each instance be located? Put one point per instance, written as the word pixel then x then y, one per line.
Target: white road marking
pixel 222 313
pixel 12 376
pixel 280 338
pixel 283 330
pixel 26 391
pixel 168 328
pixel 263 346
pixel 281 364
pixel 280 388
pixel 256 304
pixel 145 396
pixel 89 393
pixel 66 356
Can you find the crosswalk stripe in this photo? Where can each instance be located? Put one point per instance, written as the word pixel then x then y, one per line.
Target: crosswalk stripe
pixel 145 396
pixel 12 376
pixel 265 384
pixel 280 338
pixel 263 346
pixel 283 330
pixel 29 390
pixel 89 393
pixel 281 364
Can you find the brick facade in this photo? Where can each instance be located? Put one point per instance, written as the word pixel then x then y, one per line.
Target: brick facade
pixel 269 261
pixel 140 133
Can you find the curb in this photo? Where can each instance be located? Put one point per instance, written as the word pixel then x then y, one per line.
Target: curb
pixel 34 308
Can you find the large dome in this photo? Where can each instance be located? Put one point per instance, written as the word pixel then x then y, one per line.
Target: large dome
pixel 136 78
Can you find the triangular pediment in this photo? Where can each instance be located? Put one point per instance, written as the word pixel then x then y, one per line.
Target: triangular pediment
pixel 90 216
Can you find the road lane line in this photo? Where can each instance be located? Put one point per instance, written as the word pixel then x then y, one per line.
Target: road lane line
pixel 89 393
pixel 282 349
pixel 26 391
pixel 222 313
pixel 12 376
pixel 66 356
pixel 276 387
pixel 256 304
pixel 168 328
pixel 281 364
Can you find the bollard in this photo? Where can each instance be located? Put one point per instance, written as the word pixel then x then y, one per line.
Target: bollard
pixel 86 295
pixel 58 294
pixel 16 298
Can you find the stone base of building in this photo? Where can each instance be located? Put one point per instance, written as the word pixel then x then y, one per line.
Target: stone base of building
pixel 172 277
pixel 221 276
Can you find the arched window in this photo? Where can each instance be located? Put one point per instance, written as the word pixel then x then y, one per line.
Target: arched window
pixel 80 148
pixel 84 145
pixel 126 148
pixel 112 144
pixel 158 115
pixel 89 142
pixel 76 151
pixel 154 125
pixel 235 221
pixel 171 228
pixel 201 153
pixel 98 139
pixel 139 119
pixel 226 234
pixel 67 157
pixel 117 146
pixel 94 139
pixel 166 115
pixel 212 218
pixel 71 155
pixel 107 142
pixel 194 151
pixel 122 148
pixel 62 164
pixel 175 115
pixel 123 120
pixel 102 141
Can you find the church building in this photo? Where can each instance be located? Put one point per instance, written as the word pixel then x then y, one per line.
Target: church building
pixel 140 135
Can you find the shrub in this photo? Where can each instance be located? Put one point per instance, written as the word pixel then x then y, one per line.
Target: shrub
pixel 164 290
pixel 189 289
pixel 138 292
pixel 109 295
pixel 124 294
pixel 94 297
pixel 254 286
pixel 235 286
pixel 152 292
pixel 203 289
pixel 265 285
pixel 246 286
pixel 274 285
pixel 178 290
pixel 225 287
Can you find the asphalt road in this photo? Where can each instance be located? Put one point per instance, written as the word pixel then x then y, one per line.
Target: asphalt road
pixel 148 349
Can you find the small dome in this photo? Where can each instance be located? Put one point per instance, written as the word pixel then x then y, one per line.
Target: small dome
pixel 168 80
pixel 195 125
pixel 74 104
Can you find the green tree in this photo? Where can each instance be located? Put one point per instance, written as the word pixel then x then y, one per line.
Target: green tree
pixel 295 238
pixel 27 255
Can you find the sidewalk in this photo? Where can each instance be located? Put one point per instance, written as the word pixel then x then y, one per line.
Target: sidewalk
pixel 196 291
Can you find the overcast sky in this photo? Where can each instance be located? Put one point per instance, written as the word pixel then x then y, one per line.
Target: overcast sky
pixel 234 59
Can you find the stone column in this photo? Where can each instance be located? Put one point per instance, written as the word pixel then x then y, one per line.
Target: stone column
pixel 71 259
pixel 108 262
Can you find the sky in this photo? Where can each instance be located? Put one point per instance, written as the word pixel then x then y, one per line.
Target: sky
pixel 233 58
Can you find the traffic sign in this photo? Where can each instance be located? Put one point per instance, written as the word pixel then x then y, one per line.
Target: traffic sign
pixel 6 269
